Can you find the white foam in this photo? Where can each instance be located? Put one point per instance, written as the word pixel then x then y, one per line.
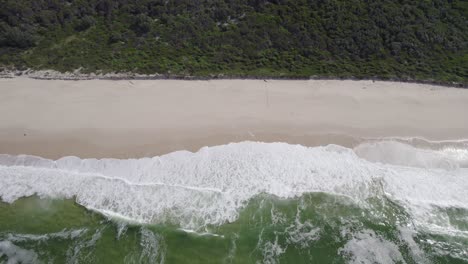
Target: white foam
pixel 271 251
pixel 189 231
pixel 73 252
pixel 16 254
pixel 397 153
pixel 367 248
pixel 210 187
pixel 407 235
pixel 64 234
pixel 453 248
pixel 302 233
pixel 153 247
pixel 458 154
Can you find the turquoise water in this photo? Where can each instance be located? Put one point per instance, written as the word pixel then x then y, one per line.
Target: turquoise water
pixel 360 212
pixel 316 228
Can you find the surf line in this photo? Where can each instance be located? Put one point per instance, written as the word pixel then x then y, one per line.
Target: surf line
pixel 101 176
pixel 202 189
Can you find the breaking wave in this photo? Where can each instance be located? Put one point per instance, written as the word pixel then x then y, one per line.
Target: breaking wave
pixel 211 186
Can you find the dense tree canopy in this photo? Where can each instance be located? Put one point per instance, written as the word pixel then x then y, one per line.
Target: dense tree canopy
pixel 402 39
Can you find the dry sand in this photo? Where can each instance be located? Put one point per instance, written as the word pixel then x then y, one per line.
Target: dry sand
pixel 103 118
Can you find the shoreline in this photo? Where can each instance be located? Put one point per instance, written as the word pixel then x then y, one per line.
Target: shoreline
pixel 126 76
pixel 142 118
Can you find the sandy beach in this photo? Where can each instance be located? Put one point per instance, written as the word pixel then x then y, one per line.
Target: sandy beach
pixel 138 118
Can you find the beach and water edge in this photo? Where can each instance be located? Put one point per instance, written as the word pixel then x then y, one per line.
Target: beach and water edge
pixel 232 171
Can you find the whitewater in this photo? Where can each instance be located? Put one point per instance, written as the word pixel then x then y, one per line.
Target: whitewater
pixel 418 190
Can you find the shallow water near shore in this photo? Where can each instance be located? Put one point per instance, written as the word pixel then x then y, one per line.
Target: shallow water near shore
pixel 385 201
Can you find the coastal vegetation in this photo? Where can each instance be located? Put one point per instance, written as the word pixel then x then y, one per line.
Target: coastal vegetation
pixel 386 39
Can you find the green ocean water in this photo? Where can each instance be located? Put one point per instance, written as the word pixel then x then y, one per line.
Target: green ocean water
pixel 314 228
pixel 383 201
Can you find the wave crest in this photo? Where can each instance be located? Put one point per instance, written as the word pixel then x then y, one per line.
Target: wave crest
pixel 210 187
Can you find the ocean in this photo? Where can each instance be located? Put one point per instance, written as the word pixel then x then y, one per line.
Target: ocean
pixel 390 200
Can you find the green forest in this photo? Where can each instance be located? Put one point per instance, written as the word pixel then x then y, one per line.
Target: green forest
pixel 423 40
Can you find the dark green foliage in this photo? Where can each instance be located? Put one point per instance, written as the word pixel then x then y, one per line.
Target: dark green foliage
pixel 141 24
pixel 422 40
pixel 85 23
pixel 15 37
